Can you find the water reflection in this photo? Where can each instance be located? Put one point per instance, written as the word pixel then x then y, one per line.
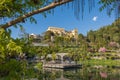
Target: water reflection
pixel 86 73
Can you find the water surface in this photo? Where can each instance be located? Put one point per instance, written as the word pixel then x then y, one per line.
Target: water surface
pixel 84 73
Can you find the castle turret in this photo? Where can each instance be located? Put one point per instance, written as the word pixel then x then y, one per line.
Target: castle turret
pixel 75 33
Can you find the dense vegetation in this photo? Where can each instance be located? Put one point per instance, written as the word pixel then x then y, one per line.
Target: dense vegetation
pixel 15 54
pixel 19 52
pixel 105 36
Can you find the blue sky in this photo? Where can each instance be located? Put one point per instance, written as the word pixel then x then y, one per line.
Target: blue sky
pixel 66 19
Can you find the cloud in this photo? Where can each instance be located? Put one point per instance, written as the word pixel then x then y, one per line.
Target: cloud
pixel 95 18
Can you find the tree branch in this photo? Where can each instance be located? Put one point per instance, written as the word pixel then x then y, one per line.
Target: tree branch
pixel 48 7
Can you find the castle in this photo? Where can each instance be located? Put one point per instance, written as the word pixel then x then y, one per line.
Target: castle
pixel 57 31
pixel 61 32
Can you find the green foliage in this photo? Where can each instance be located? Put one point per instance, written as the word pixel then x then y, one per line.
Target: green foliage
pixel 13 66
pixel 48 35
pixel 8 49
pixel 105 35
pixel 12 69
pixel 39 66
pixel 54 56
pixel 110 5
pixel 11 8
pixel 8 46
pixel 11 48
pixel 102 62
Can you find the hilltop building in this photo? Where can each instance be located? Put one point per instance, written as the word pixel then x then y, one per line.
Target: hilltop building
pixel 57 32
pixel 61 32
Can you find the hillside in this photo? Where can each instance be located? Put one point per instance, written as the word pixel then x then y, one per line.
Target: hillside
pixel 107 36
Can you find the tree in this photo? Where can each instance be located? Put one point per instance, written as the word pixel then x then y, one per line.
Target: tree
pixel 111 5
pixel 12 56
pixel 20 10
pixel 54 56
pixel 17 11
pixel 9 48
pixel 9 52
pixel 48 36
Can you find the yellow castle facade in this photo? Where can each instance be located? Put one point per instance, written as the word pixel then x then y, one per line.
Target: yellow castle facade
pixel 62 32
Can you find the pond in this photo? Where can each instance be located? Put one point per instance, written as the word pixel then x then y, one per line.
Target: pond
pixel 84 73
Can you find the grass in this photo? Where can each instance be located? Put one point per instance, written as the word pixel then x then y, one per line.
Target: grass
pixel 102 62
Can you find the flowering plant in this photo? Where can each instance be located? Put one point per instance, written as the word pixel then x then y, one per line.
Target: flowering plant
pixel 102 49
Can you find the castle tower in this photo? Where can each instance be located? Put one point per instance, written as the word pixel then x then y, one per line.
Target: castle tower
pixel 75 33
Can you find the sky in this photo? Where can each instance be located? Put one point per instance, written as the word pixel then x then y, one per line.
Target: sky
pixel 64 18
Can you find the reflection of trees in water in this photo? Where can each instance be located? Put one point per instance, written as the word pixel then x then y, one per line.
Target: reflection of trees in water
pixel 102 73
pixel 86 73
pixel 51 75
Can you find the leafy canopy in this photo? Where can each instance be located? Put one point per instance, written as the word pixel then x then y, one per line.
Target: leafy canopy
pixel 13 9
